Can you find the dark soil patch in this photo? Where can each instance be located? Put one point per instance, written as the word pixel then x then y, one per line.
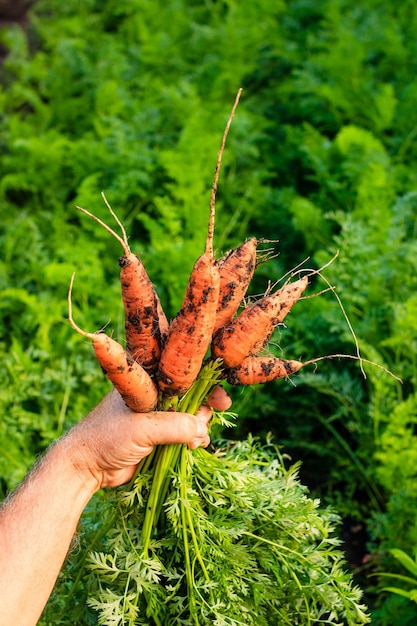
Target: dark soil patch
pixel 13 12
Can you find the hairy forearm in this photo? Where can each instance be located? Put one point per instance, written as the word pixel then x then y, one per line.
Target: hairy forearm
pixel 37 524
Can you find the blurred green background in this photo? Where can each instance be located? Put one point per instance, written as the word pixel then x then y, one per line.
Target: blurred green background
pixel 131 97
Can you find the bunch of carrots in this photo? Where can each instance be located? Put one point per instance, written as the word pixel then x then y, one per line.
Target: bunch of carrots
pixel 162 360
pixel 175 365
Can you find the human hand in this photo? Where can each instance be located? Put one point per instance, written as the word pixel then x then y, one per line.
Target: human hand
pixel 111 441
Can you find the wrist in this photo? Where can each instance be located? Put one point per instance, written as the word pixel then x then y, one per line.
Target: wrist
pixel 76 462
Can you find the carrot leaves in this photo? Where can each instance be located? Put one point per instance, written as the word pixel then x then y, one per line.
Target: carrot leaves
pixel 266 553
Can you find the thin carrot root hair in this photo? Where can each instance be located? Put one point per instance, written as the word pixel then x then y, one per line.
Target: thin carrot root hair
pixel 293 272
pixel 298 269
pixel 271 289
pixel 319 272
pixel 122 240
pixel 266 254
pixel 118 222
pixel 70 314
pixel 210 232
pixel 288 276
pixel 71 320
pixel 318 293
pixel 355 357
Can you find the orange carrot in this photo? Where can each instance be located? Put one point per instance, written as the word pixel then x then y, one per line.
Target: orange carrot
pixel 130 379
pixel 146 325
pixel 261 369
pixel 236 271
pixel 145 322
pixel 252 328
pixel 191 330
pixel 255 370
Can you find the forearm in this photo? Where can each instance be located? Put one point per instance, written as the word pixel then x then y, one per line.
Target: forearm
pixel 37 525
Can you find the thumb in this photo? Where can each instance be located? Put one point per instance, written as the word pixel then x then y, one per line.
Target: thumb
pixel 173 427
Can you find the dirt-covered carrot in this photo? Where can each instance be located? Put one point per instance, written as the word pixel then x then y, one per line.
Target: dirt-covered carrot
pixel 236 271
pixel 129 378
pixel 146 325
pixel 191 330
pixel 255 370
pixel 252 328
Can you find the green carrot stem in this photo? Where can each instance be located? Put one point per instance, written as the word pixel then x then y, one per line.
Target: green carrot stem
pixel 162 469
pixel 176 451
pixel 184 480
pixel 146 463
pixel 184 526
pixel 144 466
pixel 170 463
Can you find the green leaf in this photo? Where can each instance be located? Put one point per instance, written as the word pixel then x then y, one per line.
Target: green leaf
pixel 411 595
pixel 405 560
